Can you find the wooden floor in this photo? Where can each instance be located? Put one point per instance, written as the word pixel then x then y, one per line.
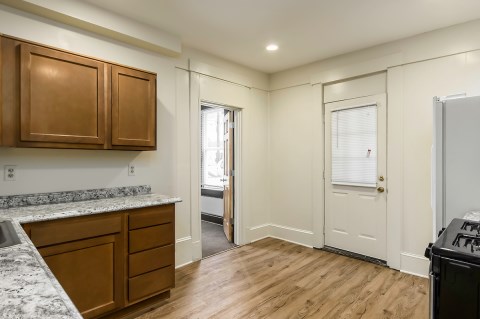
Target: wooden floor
pixel 276 279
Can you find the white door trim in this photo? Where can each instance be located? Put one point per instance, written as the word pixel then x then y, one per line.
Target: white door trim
pixel 394 172
pixel 195 147
pixel 238 229
pixel 195 144
pixel 395 169
pixel 318 158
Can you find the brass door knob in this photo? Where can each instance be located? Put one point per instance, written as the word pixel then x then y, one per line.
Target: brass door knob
pixel 380 189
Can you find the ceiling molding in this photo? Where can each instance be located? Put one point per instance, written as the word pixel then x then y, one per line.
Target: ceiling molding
pixel 100 21
pixel 358 69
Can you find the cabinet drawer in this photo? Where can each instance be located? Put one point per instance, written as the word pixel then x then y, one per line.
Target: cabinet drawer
pixel 61 231
pixel 151 237
pixel 151 216
pixel 151 283
pixel 149 260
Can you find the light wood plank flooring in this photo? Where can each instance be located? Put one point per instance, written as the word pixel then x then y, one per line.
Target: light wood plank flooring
pixel 276 279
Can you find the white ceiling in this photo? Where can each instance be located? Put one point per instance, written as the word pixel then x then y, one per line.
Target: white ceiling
pixel 305 30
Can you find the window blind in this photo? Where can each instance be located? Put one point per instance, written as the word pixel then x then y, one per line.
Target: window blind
pixel 212 147
pixel 354 146
pixel 202 146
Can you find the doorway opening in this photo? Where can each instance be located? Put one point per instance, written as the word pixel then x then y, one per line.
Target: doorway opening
pixel 217 179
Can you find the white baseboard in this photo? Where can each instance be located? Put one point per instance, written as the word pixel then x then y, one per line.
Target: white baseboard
pixel 196 250
pixel 414 264
pixel 183 251
pixel 293 235
pixel 183 265
pixel 258 232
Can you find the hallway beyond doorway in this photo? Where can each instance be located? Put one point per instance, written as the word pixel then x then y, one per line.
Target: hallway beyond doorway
pixel 213 239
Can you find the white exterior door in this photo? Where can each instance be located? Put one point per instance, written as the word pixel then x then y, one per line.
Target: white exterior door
pixel 355 175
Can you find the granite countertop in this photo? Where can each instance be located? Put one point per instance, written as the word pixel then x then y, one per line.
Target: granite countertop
pixel 39 213
pixel 28 289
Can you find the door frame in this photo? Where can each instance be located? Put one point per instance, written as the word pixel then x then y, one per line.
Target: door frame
pixel 195 187
pixel 394 170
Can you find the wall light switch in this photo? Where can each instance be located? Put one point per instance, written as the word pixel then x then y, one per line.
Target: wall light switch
pixel 10 173
pixel 131 169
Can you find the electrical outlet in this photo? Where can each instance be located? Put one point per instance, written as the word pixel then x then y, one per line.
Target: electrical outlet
pixel 9 173
pixel 131 169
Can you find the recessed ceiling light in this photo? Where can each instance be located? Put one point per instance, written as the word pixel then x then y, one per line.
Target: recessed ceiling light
pixel 272 47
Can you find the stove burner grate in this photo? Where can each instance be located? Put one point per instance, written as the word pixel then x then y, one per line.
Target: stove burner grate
pixel 471 227
pixel 467 241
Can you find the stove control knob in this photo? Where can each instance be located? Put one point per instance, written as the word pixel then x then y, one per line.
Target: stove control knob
pixel 428 251
pixel 380 189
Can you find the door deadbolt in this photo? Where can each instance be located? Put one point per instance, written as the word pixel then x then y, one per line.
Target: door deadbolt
pixel 381 178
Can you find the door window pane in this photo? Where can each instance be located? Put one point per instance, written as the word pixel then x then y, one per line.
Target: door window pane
pixel 354 146
pixel 212 148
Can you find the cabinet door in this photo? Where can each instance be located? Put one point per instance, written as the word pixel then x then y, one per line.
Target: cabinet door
pixel 88 271
pixel 133 107
pixel 62 97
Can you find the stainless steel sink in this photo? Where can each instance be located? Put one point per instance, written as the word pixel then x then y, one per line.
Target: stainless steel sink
pixel 8 235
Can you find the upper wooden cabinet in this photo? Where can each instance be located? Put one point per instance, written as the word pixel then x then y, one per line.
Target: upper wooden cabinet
pixel 133 107
pixel 61 97
pixel 57 99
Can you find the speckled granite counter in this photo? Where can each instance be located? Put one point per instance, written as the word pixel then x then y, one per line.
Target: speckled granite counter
pixel 30 214
pixel 28 288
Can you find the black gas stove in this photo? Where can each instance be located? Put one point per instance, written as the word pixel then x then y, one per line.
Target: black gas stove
pixel 455 271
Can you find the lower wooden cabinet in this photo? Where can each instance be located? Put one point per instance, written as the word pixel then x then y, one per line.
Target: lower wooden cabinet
pixel 86 270
pixel 91 259
pixel 151 247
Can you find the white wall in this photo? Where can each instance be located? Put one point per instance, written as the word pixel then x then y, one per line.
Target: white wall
pixel 98 20
pixel 415 85
pixel 291 151
pixel 43 170
pixel 219 81
pixel 442 42
pixel 211 205
pixel 281 134
pixel 168 168
pixel 413 80
pixel 256 160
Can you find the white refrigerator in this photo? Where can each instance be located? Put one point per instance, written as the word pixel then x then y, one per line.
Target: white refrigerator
pixel 456 159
